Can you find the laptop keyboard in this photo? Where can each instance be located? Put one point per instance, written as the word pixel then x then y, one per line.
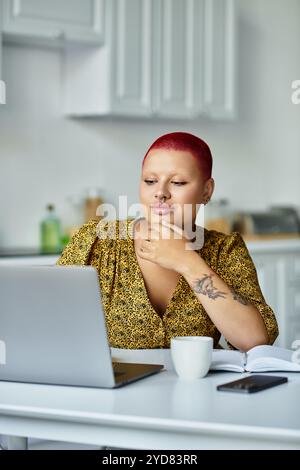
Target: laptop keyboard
pixel 117 365
pixel 117 374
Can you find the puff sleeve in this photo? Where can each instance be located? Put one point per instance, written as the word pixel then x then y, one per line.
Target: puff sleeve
pixel 79 248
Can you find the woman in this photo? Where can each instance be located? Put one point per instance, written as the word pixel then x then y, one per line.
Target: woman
pixel 155 283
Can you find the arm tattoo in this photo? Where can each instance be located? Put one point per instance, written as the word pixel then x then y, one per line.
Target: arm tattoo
pixel 238 297
pixel 205 286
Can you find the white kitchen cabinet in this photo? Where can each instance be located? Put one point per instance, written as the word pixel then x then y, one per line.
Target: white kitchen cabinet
pixel 131 24
pixel 53 21
pixel 278 270
pixel 115 79
pixel 178 78
pixel 220 59
pixel 195 58
pixel 156 61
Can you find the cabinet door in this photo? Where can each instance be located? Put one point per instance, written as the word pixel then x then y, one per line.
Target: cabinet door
pixel 74 20
pixel 279 278
pixel 178 57
pixel 2 84
pixel 267 277
pixel 220 56
pixel 154 61
pixel 132 57
pixel 271 273
pixel 293 298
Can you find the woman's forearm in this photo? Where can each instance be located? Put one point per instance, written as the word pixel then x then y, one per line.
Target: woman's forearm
pixel 237 319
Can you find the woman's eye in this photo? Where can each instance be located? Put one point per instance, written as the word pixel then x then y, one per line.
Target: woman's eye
pixel 177 183
pixel 149 181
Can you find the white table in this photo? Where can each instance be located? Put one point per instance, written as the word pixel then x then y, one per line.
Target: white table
pixel 159 412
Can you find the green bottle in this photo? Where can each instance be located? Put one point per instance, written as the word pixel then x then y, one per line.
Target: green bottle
pixel 51 231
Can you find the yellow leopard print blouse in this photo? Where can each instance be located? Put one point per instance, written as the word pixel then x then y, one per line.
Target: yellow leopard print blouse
pixel 131 320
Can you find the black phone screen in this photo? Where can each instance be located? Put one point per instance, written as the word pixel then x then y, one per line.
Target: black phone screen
pixel 252 383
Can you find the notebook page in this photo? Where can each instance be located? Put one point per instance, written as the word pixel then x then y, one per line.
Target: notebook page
pixel 227 360
pixel 264 352
pixel 268 358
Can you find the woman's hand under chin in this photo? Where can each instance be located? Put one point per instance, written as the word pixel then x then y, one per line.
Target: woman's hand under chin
pixel 167 246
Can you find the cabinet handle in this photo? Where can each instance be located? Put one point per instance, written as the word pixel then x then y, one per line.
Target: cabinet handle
pixel 54 34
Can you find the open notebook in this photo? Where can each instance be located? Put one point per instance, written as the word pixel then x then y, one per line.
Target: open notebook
pixel 258 359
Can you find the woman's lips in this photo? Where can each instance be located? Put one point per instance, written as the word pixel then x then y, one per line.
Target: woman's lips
pixel 161 210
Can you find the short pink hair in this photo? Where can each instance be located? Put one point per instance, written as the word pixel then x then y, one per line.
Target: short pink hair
pixel 186 142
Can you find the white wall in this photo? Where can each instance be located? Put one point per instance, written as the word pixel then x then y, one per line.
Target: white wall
pixel 45 157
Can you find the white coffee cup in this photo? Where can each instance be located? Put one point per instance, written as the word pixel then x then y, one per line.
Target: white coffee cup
pixel 191 355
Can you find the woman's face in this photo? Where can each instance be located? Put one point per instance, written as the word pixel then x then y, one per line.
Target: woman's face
pixel 171 187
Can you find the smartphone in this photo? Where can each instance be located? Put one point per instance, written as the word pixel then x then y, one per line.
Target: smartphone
pixel 252 384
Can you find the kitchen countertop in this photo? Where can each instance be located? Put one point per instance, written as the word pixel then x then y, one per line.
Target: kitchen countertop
pixel 23 252
pixel 258 245
pixel 273 245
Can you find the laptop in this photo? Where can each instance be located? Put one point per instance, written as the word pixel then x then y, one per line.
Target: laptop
pixel 52 329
